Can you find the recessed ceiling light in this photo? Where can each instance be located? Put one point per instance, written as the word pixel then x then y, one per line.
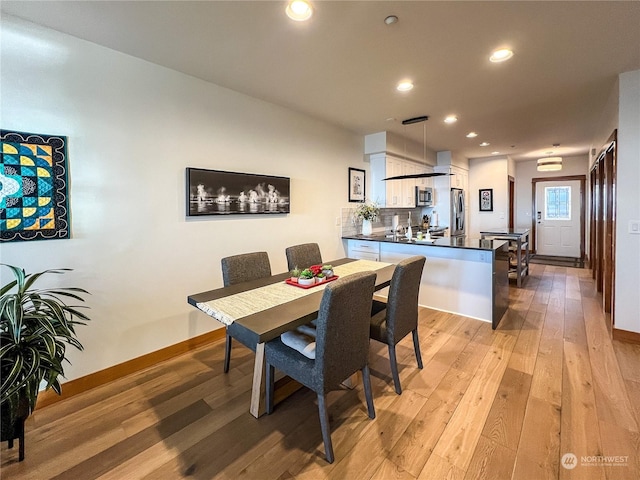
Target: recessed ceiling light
pixel 405 86
pixel 299 10
pixel 391 19
pixel 485 144
pixel 495 153
pixel 472 135
pixel 451 119
pixel 501 55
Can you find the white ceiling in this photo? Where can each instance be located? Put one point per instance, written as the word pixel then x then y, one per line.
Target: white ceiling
pixel 342 66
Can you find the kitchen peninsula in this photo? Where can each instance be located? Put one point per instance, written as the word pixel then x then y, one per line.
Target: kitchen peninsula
pixel 464 276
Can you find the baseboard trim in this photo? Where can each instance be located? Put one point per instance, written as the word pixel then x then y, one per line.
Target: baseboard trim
pixel 626 336
pixel 82 384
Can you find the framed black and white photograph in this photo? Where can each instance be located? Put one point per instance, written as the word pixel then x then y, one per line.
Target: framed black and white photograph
pixel 356 185
pixel 486 200
pixel 215 192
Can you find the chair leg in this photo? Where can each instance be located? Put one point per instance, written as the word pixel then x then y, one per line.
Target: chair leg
pixel 366 379
pixel 270 386
pixel 227 353
pixel 324 426
pixel 394 368
pixel 416 346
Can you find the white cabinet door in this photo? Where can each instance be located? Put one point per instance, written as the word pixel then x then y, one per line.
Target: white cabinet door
pixel 409 185
pixel 377 187
pixel 456 179
pixel 390 193
pixel 394 187
pixel 425 182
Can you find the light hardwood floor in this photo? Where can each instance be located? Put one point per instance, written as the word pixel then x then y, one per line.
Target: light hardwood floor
pixel 487 405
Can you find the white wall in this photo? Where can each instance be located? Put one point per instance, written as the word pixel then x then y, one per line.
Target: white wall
pixel 133 127
pixel 607 123
pixel 449 158
pixel 527 170
pixel 511 168
pixel 627 273
pixel 488 173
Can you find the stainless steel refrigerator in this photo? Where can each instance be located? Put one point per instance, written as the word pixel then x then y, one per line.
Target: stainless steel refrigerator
pixel 457 224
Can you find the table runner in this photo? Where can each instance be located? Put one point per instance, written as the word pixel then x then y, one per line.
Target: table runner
pixel 233 307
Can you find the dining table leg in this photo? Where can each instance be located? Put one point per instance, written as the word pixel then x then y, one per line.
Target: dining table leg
pixel 258 391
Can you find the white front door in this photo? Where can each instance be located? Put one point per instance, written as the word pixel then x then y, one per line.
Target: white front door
pixel 558 218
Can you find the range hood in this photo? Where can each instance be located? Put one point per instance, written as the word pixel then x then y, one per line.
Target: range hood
pixel 409 121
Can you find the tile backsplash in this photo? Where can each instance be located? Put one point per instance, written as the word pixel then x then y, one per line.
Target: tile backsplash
pixel 353 226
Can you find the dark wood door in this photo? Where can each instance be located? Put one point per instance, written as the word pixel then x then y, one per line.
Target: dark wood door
pixel 602 217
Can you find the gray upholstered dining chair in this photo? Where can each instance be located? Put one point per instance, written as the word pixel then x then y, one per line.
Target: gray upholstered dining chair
pixel 342 347
pixel 303 256
pixel 238 269
pixel 393 320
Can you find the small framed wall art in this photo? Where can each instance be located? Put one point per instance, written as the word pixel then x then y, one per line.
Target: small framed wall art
pixel 356 185
pixel 486 200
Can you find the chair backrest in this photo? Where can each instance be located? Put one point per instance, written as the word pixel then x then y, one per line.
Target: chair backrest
pixel 402 302
pixel 342 333
pixel 303 256
pixel 245 267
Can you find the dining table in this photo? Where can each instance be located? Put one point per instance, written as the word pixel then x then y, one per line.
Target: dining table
pixel 267 307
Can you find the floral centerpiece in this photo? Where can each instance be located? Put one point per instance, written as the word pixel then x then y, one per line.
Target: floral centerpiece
pixel 316 270
pixel 367 212
pixel 315 274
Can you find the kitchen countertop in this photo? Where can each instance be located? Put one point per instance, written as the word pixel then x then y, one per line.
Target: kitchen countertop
pixel 450 242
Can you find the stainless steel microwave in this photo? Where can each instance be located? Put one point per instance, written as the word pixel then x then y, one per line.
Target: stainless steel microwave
pixel 424 197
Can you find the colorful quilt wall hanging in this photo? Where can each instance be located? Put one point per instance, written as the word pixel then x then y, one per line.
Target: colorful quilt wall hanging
pixel 34 196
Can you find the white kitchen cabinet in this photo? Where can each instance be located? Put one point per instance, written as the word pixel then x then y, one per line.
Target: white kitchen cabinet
pixel 363 250
pixel 424 182
pixel 394 168
pixel 409 185
pixel 458 178
pixel 395 193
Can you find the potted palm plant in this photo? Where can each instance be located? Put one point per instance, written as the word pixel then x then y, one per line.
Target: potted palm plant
pixel 36 325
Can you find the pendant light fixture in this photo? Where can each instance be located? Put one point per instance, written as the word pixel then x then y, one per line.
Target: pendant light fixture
pixel 409 121
pixel 549 164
